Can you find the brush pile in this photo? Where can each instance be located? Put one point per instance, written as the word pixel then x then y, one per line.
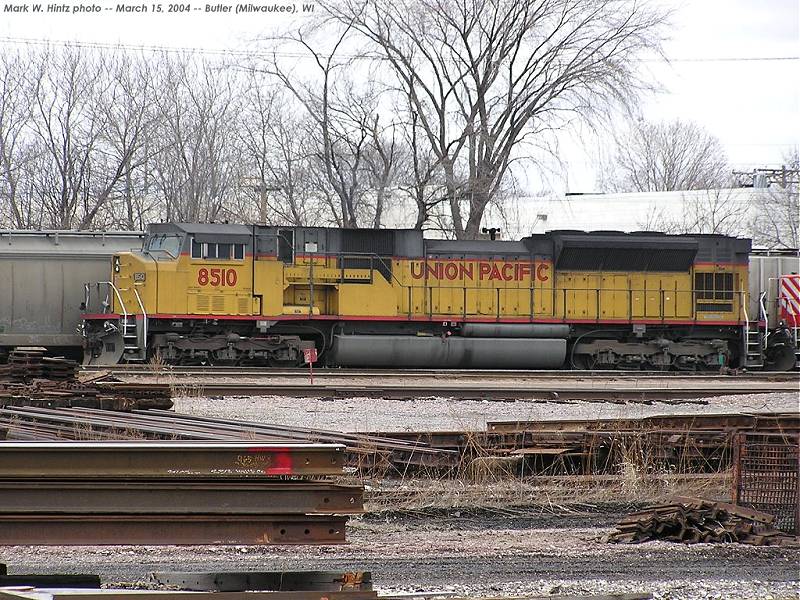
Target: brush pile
pixel 694 521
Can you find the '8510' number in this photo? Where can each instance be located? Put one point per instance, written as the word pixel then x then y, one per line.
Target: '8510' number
pixel 217 277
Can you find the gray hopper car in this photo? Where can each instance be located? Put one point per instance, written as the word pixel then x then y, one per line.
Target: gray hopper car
pixel 43 275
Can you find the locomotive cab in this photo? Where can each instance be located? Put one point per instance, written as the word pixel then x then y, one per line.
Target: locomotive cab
pixel 115 326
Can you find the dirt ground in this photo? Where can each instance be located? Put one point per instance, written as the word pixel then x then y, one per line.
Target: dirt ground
pixel 482 554
pixel 443 414
pixel 526 551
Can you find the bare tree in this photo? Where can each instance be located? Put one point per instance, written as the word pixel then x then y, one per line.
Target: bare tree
pixel 486 76
pixel 125 143
pixel 342 116
pixel 666 156
pixel 16 152
pixel 68 125
pixel 776 215
pixel 381 160
pixel 196 169
pixel 275 148
pixel 421 180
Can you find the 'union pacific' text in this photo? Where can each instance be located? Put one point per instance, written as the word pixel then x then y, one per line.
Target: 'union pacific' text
pixel 482 271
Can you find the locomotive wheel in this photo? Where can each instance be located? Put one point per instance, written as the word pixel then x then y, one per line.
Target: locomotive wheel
pixel 781 358
pixel 583 362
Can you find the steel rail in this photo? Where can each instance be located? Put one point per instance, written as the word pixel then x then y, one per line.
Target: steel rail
pixel 162 424
pixel 556 390
pixel 108 529
pixel 170 459
pixel 158 370
pixel 110 593
pixel 278 581
pixel 178 497
pixel 769 422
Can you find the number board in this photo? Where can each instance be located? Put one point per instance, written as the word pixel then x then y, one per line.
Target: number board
pixel 217 277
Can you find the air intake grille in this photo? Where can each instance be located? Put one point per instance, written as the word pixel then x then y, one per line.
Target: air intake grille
pixel 625 259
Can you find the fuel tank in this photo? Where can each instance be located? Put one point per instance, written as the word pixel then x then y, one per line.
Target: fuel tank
pixel 452 352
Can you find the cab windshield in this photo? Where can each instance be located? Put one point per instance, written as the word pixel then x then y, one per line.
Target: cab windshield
pixel 168 244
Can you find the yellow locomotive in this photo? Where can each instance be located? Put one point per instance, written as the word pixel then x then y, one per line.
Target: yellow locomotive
pixel 240 294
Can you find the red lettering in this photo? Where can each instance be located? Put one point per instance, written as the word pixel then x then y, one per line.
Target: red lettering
pixel 215 277
pixel 466 271
pixel 451 270
pixel 495 274
pixel 430 270
pixel 484 269
pixel 524 271
pixel 508 269
pixel 417 274
pixel 541 272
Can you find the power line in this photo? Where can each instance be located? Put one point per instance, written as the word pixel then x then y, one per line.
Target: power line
pixel 251 53
pixel 145 48
pixel 734 59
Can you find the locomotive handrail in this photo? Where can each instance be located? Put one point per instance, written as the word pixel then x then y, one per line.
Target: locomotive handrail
pixel 560 302
pixel 763 313
pixel 370 255
pixel 743 305
pixel 144 315
pixel 119 298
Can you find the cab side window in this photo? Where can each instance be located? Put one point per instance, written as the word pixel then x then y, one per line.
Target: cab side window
pixel 219 251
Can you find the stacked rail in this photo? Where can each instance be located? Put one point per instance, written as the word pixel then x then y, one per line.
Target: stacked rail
pixel 674 443
pixel 81 493
pixel 32 379
pixel 25 364
pixel 679 443
pixel 695 521
pixel 367 453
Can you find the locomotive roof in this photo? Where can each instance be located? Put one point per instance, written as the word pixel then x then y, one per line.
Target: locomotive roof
pixel 202 228
pixel 243 229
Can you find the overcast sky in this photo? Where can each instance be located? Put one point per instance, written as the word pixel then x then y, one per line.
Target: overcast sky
pixel 753 106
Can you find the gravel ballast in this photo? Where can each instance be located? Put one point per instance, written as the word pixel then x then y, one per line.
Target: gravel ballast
pixel 447 414
pixel 475 555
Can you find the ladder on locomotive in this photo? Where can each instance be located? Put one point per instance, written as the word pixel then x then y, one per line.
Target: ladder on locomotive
pixel 134 333
pixel 755 335
pixel 134 326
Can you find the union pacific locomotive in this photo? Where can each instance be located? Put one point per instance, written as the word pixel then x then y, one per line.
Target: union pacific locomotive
pixel 240 294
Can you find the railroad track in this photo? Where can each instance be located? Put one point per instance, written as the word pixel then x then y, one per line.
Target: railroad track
pixel 547 393
pixel 484 384
pixel 399 386
pixel 209 371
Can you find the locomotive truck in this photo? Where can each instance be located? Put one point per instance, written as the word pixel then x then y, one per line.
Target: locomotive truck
pixel 226 294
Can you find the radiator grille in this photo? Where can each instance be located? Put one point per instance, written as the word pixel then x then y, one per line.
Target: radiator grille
pixel 218 304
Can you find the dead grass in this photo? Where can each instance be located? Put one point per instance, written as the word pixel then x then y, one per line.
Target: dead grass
pixel 639 467
pixel 558 493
